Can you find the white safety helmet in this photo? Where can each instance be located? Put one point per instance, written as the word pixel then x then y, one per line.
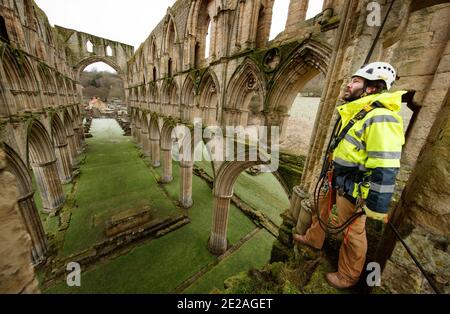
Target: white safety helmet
pixel 378 71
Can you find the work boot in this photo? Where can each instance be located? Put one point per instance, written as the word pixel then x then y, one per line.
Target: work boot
pixel 336 280
pixel 301 239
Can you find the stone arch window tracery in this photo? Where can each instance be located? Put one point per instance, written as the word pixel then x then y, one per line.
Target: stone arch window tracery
pixel 245 87
pixel 188 109
pixel 209 99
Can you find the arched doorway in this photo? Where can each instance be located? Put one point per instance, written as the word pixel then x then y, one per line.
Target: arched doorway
pixel 42 159
pixel 27 205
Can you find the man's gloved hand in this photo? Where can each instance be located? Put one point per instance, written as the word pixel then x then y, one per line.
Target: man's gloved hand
pixel 374 215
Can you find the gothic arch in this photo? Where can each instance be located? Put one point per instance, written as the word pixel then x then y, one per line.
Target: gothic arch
pixel 27 205
pixel 42 159
pixel 83 63
pixel 167 140
pixel 10 71
pixel 246 83
pixel 153 93
pixel 169 98
pixel 61 146
pixel 155 140
pixel 227 175
pixel 70 134
pixel 145 138
pixel 21 80
pixel 306 62
pixel 188 100
pixel 209 92
pixel 170 45
pixel 201 15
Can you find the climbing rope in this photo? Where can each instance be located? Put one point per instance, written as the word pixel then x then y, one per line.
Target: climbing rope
pixel 422 270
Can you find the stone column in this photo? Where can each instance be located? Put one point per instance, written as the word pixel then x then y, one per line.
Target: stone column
pixel 218 243
pixel 16 270
pixel 186 170
pixel 297 13
pixel 63 163
pixel 137 133
pixel 72 148
pixel 133 128
pixel 34 227
pixel 49 186
pixel 76 138
pixel 304 218
pixel 155 152
pixel 145 142
pixel 298 195
pixel 167 164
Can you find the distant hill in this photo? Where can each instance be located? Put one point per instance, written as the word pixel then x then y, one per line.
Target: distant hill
pixel 101 84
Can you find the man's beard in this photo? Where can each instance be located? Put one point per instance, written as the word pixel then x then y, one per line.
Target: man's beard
pixel 353 96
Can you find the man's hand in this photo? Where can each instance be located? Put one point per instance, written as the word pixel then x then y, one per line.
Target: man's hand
pixel 374 215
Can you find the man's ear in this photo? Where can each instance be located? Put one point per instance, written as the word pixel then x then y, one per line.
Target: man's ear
pixel 371 90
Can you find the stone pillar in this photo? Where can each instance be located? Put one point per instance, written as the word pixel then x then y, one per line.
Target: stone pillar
pixel 297 13
pixel 133 129
pixel 304 218
pixel 218 243
pixel 298 195
pixel 81 135
pixel 167 164
pixel 137 134
pixel 34 227
pixel 145 142
pixel 186 169
pixel 63 163
pixel 49 186
pixel 155 152
pixel 76 138
pixel 72 148
pixel 16 270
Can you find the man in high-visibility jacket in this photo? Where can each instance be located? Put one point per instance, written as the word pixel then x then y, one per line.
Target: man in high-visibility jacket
pixel 365 164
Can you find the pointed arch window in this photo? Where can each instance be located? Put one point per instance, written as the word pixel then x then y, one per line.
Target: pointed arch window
pixel 279 17
pixel 208 39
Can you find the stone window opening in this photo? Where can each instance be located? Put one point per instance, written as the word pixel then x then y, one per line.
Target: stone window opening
pixel 154 74
pixel 109 51
pixel 3 32
pixel 169 68
pixel 279 18
pixel 314 8
pixel 89 46
pixel 208 40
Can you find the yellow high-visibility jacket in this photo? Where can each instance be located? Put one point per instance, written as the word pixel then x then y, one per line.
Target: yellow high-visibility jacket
pixel 371 150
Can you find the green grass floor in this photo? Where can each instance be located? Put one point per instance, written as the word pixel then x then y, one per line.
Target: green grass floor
pixel 114 178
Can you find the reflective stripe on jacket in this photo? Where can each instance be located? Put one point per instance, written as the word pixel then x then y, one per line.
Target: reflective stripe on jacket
pixel 372 149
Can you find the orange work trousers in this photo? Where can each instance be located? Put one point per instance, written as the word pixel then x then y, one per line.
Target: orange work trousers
pixel 352 253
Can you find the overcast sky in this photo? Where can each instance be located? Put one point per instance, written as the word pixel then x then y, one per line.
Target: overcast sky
pixel 131 21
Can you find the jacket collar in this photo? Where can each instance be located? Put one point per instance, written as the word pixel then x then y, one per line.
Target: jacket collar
pixel 392 101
